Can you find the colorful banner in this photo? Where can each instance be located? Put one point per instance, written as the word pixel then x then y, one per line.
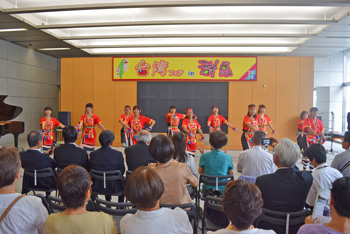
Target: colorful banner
pixel 222 68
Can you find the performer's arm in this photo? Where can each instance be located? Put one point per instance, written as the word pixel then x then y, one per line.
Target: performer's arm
pixel 80 126
pixel 61 126
pixel 100 125
pixel 252 127
pixel 310 131
pixel 152 123
pixel 273 130
pixel 201 133
pixel 230 125
pixel 185 129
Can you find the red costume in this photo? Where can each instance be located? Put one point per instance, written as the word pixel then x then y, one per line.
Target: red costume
pixel 173 122
pixel 48 134
pixel 193 128
pixel 263 122
pixel 249 132
pixel 215 122
pixel 316 126
pixel 137 125
pixel 89 132
pixel 300 125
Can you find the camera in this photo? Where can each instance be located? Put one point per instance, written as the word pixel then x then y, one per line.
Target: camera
pixel 266 141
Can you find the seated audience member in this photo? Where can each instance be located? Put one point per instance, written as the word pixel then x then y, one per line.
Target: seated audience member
pixel 256 161
pixel 286 189
pixel 323 175
pixel 33 159
pixel 144 188
pixel 242 204
pixel 342 160
pixel 340 210
pixel 216 162
pixel 107 159
pixel 27 215
pixel 74 187
pixel 180 155
pixel 137 155
pixel 70 153
pixel 174 175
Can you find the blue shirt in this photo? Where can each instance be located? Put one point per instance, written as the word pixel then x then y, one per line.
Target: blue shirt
pixel 215 163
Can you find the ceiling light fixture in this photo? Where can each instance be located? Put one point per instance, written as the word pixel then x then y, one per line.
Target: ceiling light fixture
pixel 12 29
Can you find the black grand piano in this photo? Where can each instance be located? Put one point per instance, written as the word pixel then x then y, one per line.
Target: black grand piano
pixel 8 112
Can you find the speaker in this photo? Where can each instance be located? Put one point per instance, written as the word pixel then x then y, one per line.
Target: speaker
pixel 64 117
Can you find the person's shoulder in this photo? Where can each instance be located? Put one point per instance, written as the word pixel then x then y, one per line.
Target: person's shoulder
pixel 312 229
pixel 177 212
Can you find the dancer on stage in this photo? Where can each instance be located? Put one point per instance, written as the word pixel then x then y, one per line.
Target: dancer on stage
pixel 215 121
pixel 48 124
pixel 264 120
pixel 190 126
pixel 86 127
pixel 136 123
pixel 250 125
pixel 124 134
pixel 301 136
pixel 173 120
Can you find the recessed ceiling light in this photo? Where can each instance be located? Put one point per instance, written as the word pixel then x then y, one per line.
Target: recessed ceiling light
pixel 54 49
pixel 12 29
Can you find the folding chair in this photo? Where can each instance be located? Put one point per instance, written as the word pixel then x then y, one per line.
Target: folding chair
pixel 282 222
pixel 190 209
pixel 213 204
pixel 56 204
pixel 37 180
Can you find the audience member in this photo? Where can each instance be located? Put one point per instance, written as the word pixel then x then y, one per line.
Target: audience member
pixel 74 187
pixel 107 159
pixel 33 159
pixel 340 209
pixel 256 161
pixel 137 155
pixel 323 176
pixel 216 162
pixel 174 175
pixel 70 153
pixel 342 160
pixel 286 189
pixel 27 215
pixel 242 204
pixel 144 188
pixel 180 155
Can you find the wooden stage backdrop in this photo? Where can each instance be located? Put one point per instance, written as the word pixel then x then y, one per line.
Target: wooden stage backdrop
pixel 284 85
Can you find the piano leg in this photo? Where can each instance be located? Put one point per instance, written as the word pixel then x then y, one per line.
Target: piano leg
pixel 16 140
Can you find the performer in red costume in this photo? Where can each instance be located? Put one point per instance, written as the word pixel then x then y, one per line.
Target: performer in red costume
pixel 215 121
pixel 173 120
pixel 190 126
pixel 314 128
pixel 301 136
pixel 136 123
pixel 86 125
pixel 250 125
pixel 124 134
pixel 48 124
pixel 264 120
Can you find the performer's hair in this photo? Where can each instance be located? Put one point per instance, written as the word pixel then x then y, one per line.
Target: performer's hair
pixel 214 107
pixel 89 105
pixel 127 106
pixel 312 109
pixel 261 106
pixel 302 114
pixel 172 107
pixel 250 106
pixel 136 107
pixel 48 108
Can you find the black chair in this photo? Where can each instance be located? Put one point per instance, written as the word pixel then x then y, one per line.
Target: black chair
pixel 58 170
pixel 213 181
pixel 109 179
pixel 190 209
pixel 213 204
pixel 56 204
pixel 128 172
pixel 116 209
pixel 282 222
pixel 45 203
pixel 38 180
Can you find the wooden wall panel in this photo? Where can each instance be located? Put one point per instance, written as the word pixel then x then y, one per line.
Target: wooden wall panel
pixel 306 84
pixel 287 96
pixel 125 93
pixel 67 76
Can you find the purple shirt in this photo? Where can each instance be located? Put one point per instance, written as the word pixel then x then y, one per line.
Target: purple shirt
pixel 316 229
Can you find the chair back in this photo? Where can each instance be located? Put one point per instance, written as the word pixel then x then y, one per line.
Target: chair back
pixel 128 172
pixel 36 175
pixel 285 219
pixel 190 209
pixel 250 179
pixel 215 180
pixel 212 206
pixel 108 176
pixel 45 203
pixel 58 170
pixel 55 204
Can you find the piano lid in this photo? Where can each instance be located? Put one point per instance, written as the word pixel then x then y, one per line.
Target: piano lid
pixel 8 112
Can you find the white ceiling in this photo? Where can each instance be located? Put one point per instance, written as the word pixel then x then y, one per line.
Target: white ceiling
pixel 117 27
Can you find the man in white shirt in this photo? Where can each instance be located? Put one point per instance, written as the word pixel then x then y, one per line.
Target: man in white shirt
pixel 27 215
pixel 323 175
pixel 255 161
pixel 342 160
